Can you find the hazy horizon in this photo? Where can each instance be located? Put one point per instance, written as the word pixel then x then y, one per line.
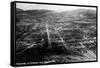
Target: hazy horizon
pixel 57 8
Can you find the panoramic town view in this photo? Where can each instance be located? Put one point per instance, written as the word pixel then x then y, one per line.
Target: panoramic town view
pixel 52 34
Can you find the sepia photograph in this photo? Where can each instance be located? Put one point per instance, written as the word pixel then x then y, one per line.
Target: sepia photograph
pixel 55 34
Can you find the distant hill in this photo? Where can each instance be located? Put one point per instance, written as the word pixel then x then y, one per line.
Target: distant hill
pixel 78 14
pixel 31 14
pixel 39 16
pixel 19 10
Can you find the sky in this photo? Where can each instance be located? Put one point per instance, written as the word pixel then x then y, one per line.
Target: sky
pixel 57 8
